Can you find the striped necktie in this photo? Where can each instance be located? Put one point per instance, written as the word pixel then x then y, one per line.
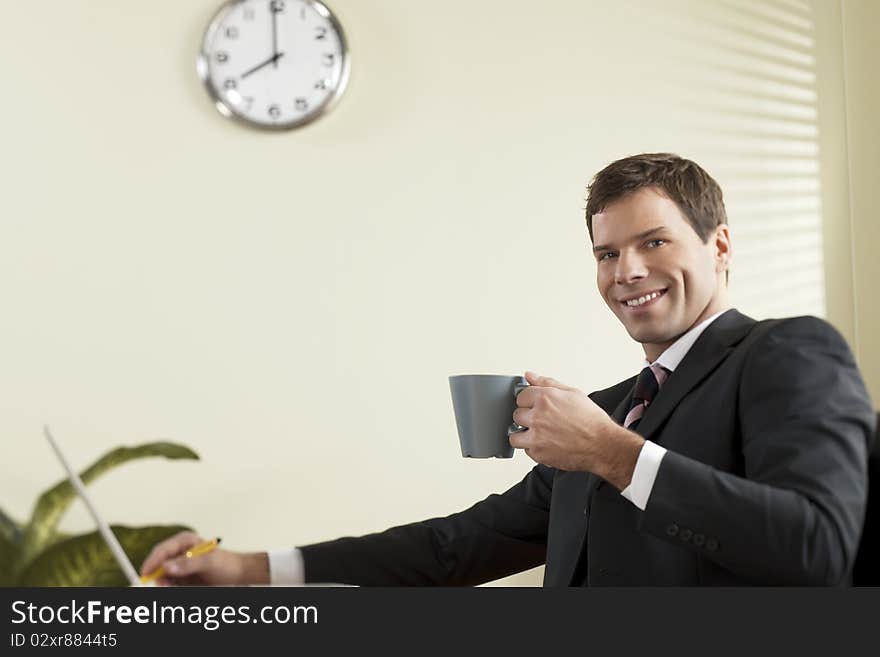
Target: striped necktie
pixel 647 386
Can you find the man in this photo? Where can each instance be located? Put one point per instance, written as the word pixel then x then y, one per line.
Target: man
pixel 737 456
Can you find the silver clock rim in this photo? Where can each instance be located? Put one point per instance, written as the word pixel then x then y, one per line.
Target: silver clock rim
pixel 226 110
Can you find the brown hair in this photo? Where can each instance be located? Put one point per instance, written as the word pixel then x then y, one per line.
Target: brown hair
pixel 684 182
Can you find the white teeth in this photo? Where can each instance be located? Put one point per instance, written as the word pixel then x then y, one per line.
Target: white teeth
pixel 642 300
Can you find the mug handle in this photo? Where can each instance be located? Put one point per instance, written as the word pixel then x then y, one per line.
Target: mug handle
pixel 518 388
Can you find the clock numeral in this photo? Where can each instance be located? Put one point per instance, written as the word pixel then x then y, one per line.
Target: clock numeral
pixel 302 104
pixel 321 32
pixel 232 32
pixel 248 103
pixel 230 83
pixel 329 59
pixel 322 84
pixel 249 13
pixel 274 111
pixel 222 57
pixel 276 6
pixel 302 12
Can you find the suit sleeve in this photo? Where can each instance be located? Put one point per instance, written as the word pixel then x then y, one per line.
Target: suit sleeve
pixel 796 515
pixel 499 536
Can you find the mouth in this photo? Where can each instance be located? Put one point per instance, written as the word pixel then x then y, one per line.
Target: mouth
pixel 643 300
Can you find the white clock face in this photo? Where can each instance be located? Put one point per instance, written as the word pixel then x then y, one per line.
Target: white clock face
pixel 274 63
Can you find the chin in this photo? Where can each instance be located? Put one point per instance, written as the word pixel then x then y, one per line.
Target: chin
pixel 646 338
pixel 649 334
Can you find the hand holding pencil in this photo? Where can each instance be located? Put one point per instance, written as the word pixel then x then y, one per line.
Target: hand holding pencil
pixel 188 559
pixel 194 551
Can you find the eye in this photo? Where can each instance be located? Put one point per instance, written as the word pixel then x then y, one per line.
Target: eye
pixel 606 255
pixel 653 244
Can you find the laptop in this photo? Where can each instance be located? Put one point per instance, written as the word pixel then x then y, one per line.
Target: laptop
pixel 108 535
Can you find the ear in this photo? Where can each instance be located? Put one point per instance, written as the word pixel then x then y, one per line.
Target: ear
pixel 723 248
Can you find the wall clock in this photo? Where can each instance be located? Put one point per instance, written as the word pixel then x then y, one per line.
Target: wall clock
pixel 274 64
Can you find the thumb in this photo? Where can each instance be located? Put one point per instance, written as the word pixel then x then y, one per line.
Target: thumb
pixel 545 381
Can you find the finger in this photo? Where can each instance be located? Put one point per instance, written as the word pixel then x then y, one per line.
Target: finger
pixel 170 547
pixel 545 381
pixel 183 567
pixel 523 416
pixel 526 398
pixel 521 439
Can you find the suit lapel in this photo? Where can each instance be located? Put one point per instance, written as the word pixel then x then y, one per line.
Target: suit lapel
pixel 707 353
pixel 615 400
pixel 617 410
pixel 619 413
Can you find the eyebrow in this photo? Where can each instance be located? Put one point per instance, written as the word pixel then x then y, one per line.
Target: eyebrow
pixel 640 236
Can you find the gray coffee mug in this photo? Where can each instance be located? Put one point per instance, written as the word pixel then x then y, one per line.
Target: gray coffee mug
pixel 484 406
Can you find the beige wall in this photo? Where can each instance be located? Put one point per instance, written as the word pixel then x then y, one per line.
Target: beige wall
pixel 291 305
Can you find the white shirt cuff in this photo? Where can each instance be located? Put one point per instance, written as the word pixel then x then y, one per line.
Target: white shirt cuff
pixel 644 474
pixel 286 567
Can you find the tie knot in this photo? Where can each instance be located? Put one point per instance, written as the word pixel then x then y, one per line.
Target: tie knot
pixel 648 383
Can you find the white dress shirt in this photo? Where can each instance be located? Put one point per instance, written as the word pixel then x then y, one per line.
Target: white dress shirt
pixel 286 564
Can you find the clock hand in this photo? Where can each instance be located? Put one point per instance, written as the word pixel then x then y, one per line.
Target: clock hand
pixel 273 59
pixel 274 9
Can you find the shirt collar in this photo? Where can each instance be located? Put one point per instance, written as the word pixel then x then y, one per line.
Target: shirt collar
pixel 676 352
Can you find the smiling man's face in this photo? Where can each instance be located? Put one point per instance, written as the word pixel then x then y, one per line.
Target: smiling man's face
pixel 654 271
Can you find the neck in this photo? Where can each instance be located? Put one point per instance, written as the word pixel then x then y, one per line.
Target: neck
pixel 653 350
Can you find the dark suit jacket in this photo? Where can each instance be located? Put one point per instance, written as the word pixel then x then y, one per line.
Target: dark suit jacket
pixel 767 426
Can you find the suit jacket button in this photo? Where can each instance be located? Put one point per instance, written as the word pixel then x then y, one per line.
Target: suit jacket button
pixel 712 544
pixel 671 529
pixel 685 535
pixel 699 539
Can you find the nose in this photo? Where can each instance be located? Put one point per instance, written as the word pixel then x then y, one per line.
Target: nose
pixel 631 267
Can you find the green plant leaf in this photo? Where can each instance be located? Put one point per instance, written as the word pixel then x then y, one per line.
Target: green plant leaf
pixel 9 529
pixel 51 505
pixel 86 560
pixel 8 551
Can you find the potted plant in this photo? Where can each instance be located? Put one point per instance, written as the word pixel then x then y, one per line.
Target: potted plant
pixel 37 554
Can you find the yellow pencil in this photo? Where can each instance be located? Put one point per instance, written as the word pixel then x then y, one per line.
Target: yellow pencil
pixel 196 550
